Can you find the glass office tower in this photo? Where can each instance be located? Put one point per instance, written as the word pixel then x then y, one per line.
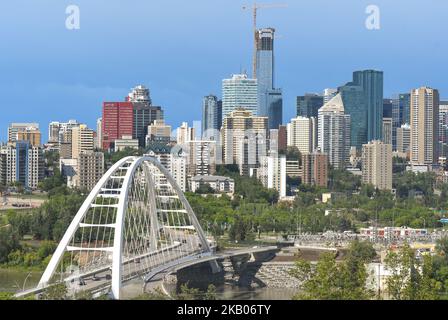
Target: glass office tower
pixel 355 105
pixel 239 92
pixel 400 114
pixel 270 102
pixel 211 117
pixel 309 105
pixel 372 83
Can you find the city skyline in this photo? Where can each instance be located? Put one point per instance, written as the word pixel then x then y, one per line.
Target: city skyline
pixel 223 150
pixel 60 80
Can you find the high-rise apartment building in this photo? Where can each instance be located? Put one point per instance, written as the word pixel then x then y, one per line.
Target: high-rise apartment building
pixel 99 133
pixel 30 134
pixel 302 133
pixel 201 158
pixel 90 169
pixel 65 146
pixel 174 159
pixel 82 141
pixel 334 132
pixel 244 139
pixel 309 105
pixel 117 122
pixel 178 169
pixel 315 169
pixel 239 92
pixel 404 138
pixel 424 126
pixel 56 130
pixel 24 164
pixel 211 117
pixel 3 165
pixel 443 129
pixel 272 173
pixel 53 132
pixel 185 134
pixel 15 128
pixel 282 139
pixel 158 132
pixel 377 164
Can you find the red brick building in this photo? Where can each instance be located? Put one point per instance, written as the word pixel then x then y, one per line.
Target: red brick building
pixel 117 122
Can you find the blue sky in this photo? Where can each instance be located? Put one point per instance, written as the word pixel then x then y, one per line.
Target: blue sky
pixel 182 49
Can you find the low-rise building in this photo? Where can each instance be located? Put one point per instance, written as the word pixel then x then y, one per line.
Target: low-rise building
pixel 391 232
pixel 217 183
pixel 126 142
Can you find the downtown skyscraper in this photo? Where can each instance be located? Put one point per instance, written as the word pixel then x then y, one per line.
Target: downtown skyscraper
pixel 424 126
pixel 363 101
pixel 270 101
pixel 400 114
pixel 372 83
pixel 334 132
pixel 239 92
pixel 211 117
pixel 309 104
pixel 144 112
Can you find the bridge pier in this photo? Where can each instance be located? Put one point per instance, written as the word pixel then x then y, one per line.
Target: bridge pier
pixel 214 265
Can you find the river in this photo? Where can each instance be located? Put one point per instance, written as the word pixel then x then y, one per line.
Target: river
pixel 11 280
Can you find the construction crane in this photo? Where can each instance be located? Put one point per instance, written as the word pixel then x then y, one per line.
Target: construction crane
pixel 255 8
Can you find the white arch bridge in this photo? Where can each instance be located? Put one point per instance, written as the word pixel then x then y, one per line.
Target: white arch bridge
pixel 136 222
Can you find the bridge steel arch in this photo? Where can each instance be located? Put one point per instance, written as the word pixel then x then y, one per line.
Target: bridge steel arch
pixel 130 165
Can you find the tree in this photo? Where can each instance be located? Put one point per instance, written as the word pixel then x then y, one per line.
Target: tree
pixel 55 292
pixel 6 296
pixel 83 295
pixel 411 278
pixel 53 182
pixel 332 280
pixel 239 229
pixel 156 294
pixel 210 294
pixel 187 293
pixel 8 243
